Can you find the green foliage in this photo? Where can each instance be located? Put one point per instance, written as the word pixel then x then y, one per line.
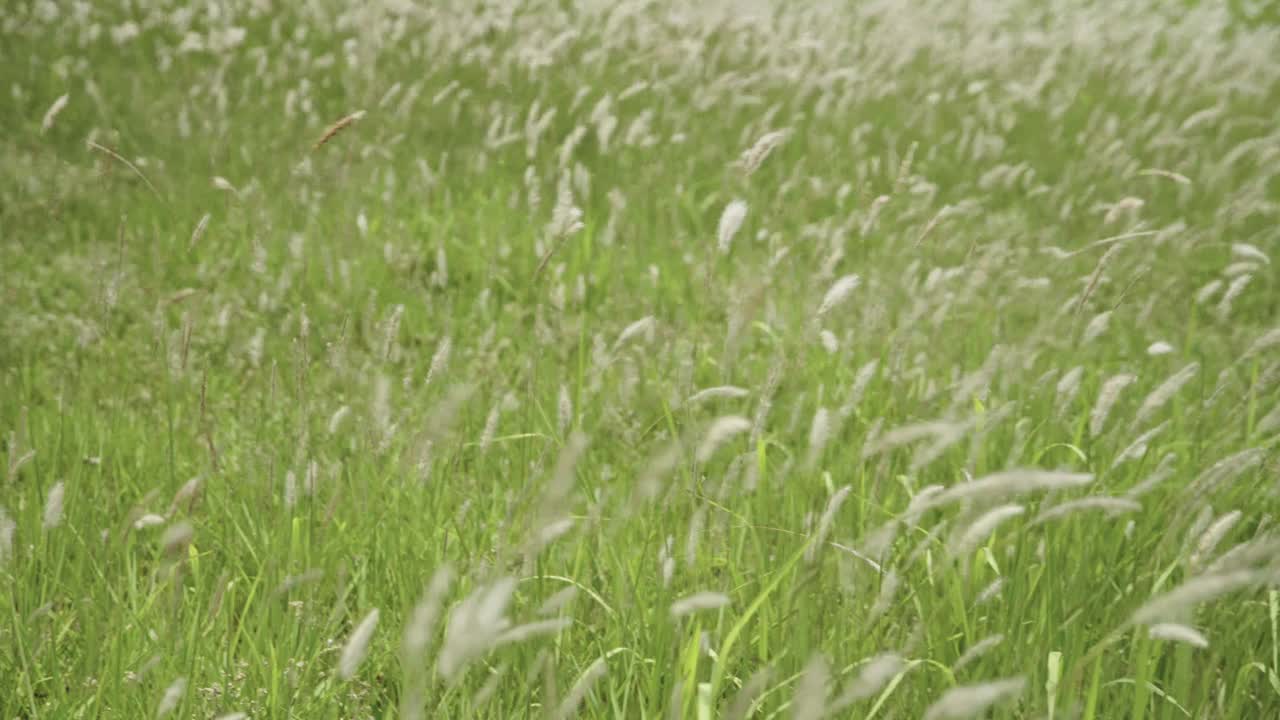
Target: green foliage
pixel 974 415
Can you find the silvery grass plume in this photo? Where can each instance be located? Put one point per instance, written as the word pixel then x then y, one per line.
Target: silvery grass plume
pixel 926 453
pixel 965 542
pixel 1158 348
pixel 1006 484
pixel 1206 293
pixel 1269 422
pixel 357 647
pixel 643 327
pixel 1165 391
pixel 52 113
pixel 1211 537
pixel 748 694
pixel 186 496
pixel 1248 554
pixel 1138 448
pixel 1110 505
pixel 148 521
pixel 1107 397
pixel 989 592
pixel 873 214
pixel 729 392
pixel 176 538
pixel 53 506
pixel 418 632
pixel 199 231
pixel 1225 471
pixel 875 673
pixel 858 389
pixel 1264 342
pixel 829 341
pixel 564 410
pixel 7 529
pixel 826 521
pixel 172 696
pixel 721 430
pixel 809 702
pixel 1179 633
pixel 1069 386
pixel 534 629
pixel 889 583
pixel 968 701
pixel 569 706
pixel 422 623
pixel 225 185
pixel 977 650
pixel 1174 603
pixel 730 222
pixel 474 626
pixel 335 420
pixel 1250 252
pixel 1162 472
pixel 1096 326
pixel 908 434
pixel 838 293
pixel 1234 290
pixel 491 425
pixel 233 716
pixel 696 525
pixel 566 218
pixel 698 602
pixel 754 156
pixel 819 434
pixel 559 601
pixel 560 484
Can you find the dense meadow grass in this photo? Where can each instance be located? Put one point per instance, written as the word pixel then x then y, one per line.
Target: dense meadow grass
pixel 644 360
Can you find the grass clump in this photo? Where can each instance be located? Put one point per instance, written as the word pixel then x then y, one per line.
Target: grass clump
pixel 639 360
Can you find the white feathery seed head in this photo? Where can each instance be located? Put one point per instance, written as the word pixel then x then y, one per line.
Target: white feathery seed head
pixel 422 622
pixel 1176 632
pixel 1107 397
pixel 148 521
pixel 640 328
pixel 1165 391
pixel 1171 604
pixel 755 155
pixel 440 360
pixel 730 222
pixel 564 410
pixel 172 697
pixel 7 529
pixel 819 435
pixel 721 430
pixel 970 701
pixel 52 113
pixel 1109 505
pixel 573 699
pixel 1097 326
pixel 1250 252
pixel 698 602
pixel 839 292
pixel 728 392
pixel 357 646
pixel 1006 484
pixel 981 528
pixel 874 674
pixel 53 506
pixel 827 520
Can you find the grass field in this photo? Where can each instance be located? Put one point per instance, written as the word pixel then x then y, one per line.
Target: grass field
pixel 643 360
